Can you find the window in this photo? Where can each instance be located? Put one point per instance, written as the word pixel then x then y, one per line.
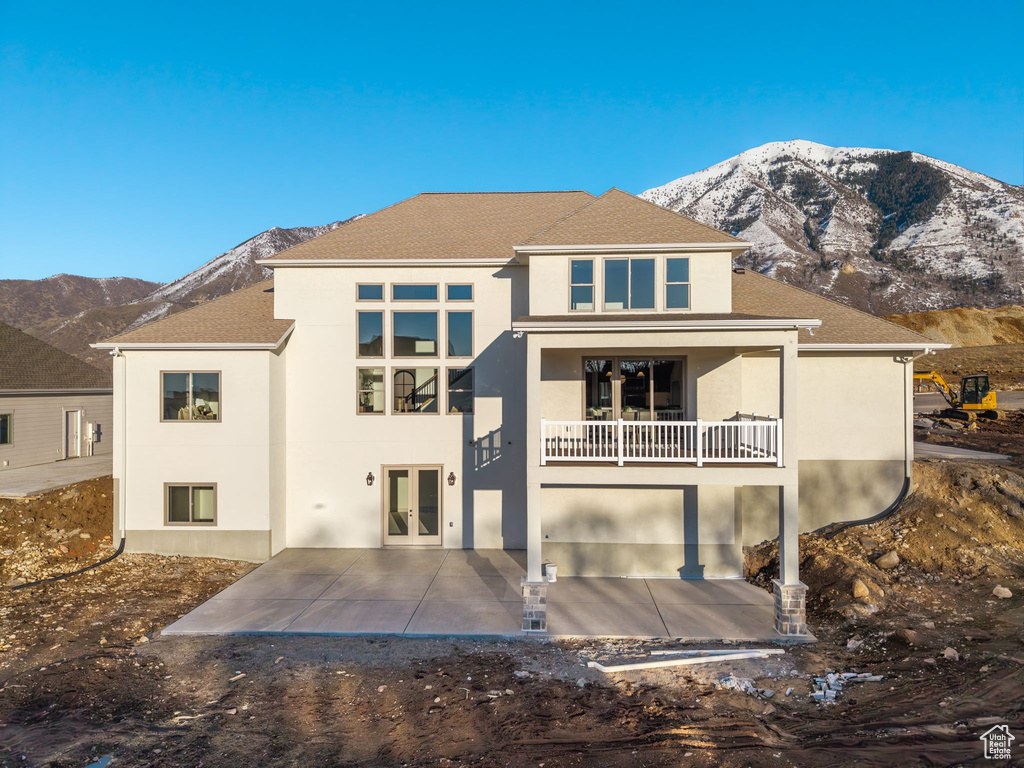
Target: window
pixel 634 389
pixel 5 428
pixel 459 292
pixel 413 292
pixel 369 390
pixel 415 390
pixel 629 284
pixel 415 334
pixel 460 390
pixel 581 284
pixel 677 283
pixel 191 396
pixel 191 504
pixel 370 291
pixel 460 334
pixel 371 334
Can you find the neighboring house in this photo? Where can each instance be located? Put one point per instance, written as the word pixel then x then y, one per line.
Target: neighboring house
pixel 586 378
pixel 52 406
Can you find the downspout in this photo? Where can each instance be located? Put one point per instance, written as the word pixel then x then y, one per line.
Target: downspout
pixel 908 457
pixel 121 503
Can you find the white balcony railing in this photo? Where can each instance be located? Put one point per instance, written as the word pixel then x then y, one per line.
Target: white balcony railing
pixel 682 442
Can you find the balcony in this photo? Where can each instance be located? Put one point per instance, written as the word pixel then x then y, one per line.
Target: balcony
pixel 745 439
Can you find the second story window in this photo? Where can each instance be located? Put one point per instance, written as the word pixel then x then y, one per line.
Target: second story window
pixel 415 334
pixel 371 334
pixel 413 292
pixel 190 396
pixel 460 334
pixel 677 283
pixel 628 284
pixel 581 285
pixel 459 292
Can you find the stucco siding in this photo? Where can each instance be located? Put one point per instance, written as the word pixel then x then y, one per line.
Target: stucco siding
pixel 37 427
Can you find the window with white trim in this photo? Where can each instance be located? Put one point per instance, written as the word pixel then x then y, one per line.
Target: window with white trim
pixel 677 283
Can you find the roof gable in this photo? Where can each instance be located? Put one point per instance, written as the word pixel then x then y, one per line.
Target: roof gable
pixel 471 225
pixel 619 218
pixel 31 364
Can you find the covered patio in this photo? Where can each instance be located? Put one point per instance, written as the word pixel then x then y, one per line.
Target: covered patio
pixel 421 592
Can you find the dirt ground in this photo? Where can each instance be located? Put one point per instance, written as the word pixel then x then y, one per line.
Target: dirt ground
pixel 84 672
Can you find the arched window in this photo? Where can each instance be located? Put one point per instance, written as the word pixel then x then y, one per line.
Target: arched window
pixel 404 383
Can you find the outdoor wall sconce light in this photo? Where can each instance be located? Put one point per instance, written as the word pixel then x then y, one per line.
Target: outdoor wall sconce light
pixel 451 478
pixel 369 478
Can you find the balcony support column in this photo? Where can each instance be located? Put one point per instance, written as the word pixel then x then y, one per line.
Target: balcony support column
pixel 790 592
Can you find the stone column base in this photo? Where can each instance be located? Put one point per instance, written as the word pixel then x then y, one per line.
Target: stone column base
pixel 535 605
pixel 790 608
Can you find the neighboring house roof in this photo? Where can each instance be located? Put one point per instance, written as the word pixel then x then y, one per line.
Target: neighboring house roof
pixel 755 293
pixel 472 225
pixel 26 363
pixel 619 218
pixel 243 317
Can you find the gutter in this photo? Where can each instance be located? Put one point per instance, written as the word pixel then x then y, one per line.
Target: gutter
pixel 738 245
pixel 683 325
pixel 386 262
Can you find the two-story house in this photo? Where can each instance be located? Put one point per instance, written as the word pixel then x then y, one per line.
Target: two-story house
pixel 586 378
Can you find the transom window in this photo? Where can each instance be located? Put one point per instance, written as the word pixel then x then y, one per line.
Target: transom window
pixel 190 396
pixel 370 292
pixel 6 437
pixel 459 292
pixel 628 284
pixel 413 292
pixel 634 389
pixel 191 504
pixel 581 284
pixel 677 283
pixel 460 390
pixel 414 334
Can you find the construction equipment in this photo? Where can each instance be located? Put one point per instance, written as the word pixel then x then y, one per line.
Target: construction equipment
pixel 974 399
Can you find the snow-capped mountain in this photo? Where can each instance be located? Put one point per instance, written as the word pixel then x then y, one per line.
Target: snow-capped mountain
pixel 882 230
pixel 91 309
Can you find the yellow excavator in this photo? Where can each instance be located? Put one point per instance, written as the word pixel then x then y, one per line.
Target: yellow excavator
pixel 975 398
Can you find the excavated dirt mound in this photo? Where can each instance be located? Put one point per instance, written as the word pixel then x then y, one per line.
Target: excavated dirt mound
pixel 968 326
pixel 962 522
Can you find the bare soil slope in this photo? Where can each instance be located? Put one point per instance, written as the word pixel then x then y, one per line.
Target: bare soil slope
pixel 968 326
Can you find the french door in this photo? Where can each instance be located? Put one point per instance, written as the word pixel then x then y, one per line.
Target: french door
pixel 412 506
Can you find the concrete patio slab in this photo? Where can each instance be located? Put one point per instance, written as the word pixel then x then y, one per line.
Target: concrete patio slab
pixel 335 561
pixel 342 617
pixel 358 586
pixel 24 482
pixel 278 586
pixel 472 587
pixel 485 562
pixel 605 619
pixel 243 615
pixel 468 592
pixel 475 617
pixel 595 589
pixel 707 592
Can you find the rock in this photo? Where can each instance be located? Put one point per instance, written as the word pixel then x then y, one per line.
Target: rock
pixel 928 624
pixel 380 689
pixel 522 674
pixel 909 636
pixel 853 644
pixel 888 561
pixel 437 699
pixel 860 589
pixel 951 654
pixel 581 683
pixel 85 535
pixel 924 423
pixel 1002 593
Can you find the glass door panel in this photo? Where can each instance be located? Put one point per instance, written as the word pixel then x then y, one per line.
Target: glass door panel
pixel 598 383
pixel 668 390
pixel 398 505
pixel 635 389
pixel 428 506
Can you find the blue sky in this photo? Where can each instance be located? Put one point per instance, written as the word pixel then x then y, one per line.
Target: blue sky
pixel 143 139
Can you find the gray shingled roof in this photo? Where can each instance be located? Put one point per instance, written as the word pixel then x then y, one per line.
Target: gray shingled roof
pixel 26 363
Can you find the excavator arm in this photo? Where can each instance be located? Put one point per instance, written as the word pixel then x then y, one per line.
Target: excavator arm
pixel 940 384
